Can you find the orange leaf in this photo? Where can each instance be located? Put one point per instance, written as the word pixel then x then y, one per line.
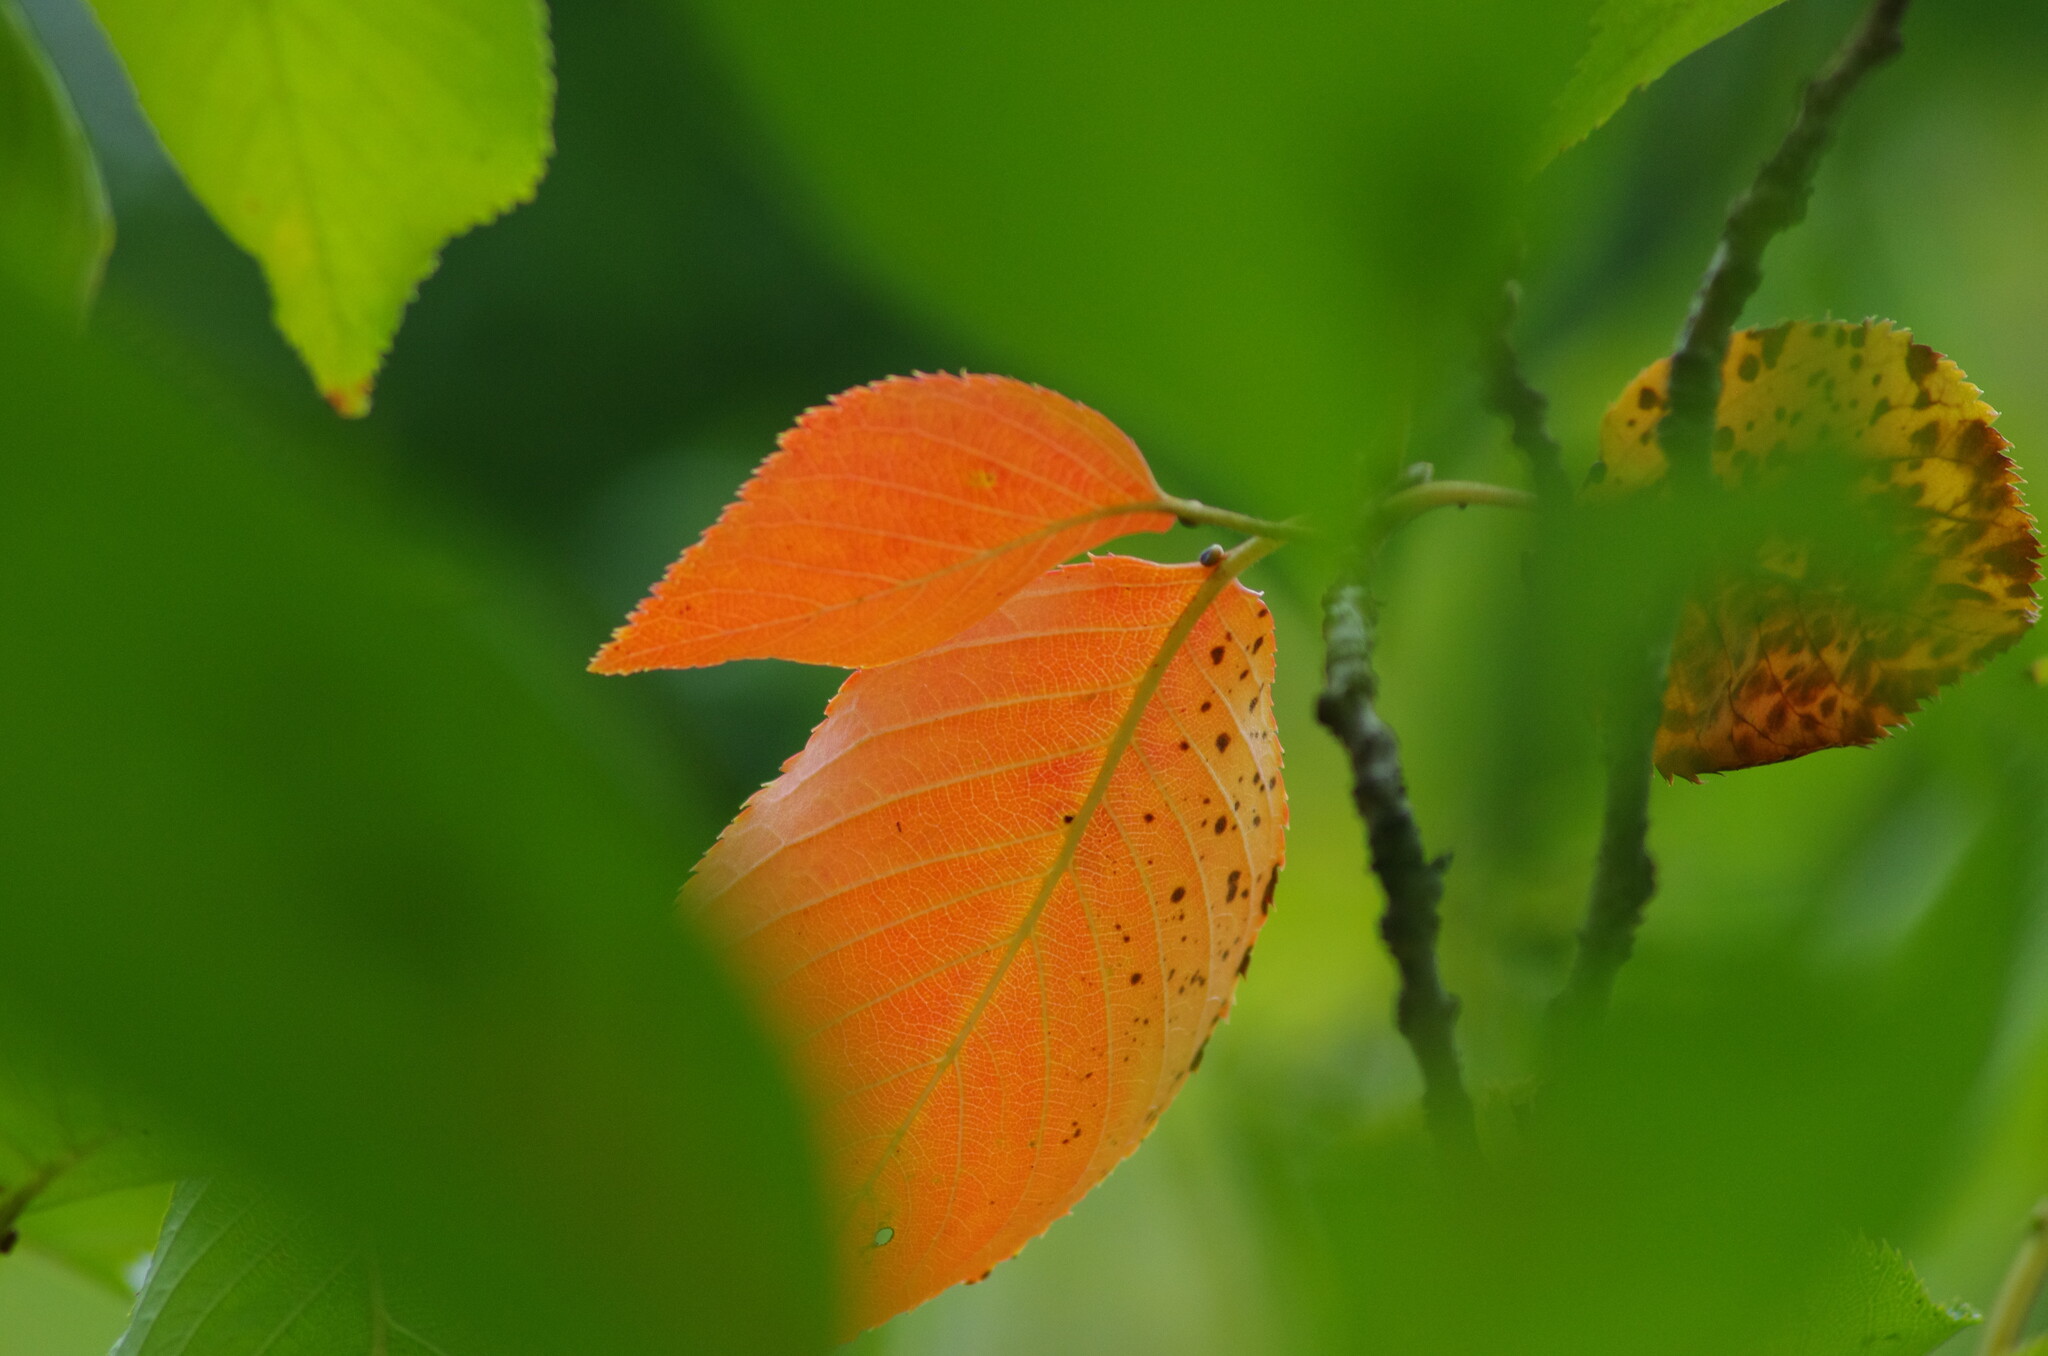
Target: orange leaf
pixel 1813 643
pixel 890 520
pixel 1000 901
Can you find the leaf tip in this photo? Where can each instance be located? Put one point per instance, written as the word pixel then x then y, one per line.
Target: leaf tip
pixel 350 400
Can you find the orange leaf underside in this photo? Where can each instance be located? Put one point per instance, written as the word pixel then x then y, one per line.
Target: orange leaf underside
pixel 888 521
pixel 995 965
pixel 1805 644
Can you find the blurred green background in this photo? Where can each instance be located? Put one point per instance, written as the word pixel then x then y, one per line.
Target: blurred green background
pixel 1257 240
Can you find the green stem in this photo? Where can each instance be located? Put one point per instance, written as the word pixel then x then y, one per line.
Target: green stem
pixel 1193 511
pixel 1626 877
pixel 1403 506
pixel 2019 1290
pixel 1393 511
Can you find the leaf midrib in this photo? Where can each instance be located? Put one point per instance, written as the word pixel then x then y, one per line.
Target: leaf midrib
pixel 1234 564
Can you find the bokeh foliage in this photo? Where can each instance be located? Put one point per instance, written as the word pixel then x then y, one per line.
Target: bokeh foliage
pixel 324 853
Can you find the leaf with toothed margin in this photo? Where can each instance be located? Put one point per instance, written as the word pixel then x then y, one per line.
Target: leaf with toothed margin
pixel 343 143
pixel 1633 43
pixel 1911 563
pixel 1000 902
pixel 891 519
pixel 1868 1301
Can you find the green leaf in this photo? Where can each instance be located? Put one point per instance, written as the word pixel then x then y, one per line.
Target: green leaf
pixel 323 849
pixel 100 1237
pixel 1870 1302
pixel 239 1273
pixel 1258 241
pixel 62 1140
pixel 1634 42
pixel 55 229
pixel 82 1179
pixel 343 142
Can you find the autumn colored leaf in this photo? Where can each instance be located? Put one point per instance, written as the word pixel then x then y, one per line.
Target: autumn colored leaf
pixel 889 521
pixel 1000 901
pixel 1814 640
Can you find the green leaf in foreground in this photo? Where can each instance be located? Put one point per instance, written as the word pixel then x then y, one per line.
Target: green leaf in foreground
pixel 329 857
pixel 343 142
pixel 1870 1302
pixel 55 230
pixel 238 1273
pixel 1634 42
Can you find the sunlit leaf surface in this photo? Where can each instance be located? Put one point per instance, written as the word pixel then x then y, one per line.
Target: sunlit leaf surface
pixel 1912 563
pixel 891 519
pixel 998 919
pixel 343 142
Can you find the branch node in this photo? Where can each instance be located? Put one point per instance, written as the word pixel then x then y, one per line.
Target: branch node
pixel 1626 876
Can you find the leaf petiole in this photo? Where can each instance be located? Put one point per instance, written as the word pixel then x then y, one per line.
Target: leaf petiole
pixel 1390 514
pixel 1401 507
pixel 2019 1290
pixel 1192 512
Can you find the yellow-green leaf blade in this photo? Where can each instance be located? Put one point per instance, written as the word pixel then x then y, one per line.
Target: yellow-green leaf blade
pixel 343 143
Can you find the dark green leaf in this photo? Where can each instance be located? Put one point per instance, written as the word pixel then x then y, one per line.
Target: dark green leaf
pixel 319 847
pixel 1251 233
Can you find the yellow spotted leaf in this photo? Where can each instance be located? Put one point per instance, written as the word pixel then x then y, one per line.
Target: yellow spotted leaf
pixel 1001 900
pixel 1819 637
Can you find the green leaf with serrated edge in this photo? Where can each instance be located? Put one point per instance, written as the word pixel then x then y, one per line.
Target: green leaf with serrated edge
pixel 1634 42
pixel 1868 1301
pixel 55 229
pixel 238 1273
pixel 343 143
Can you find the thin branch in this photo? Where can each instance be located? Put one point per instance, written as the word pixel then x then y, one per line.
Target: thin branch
pixel 2019 1290
pixel 1413 881
pixel 1192 512
pixel 1527 410
pixel 1774 203
pixel 1626 876
pixel 1404 505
